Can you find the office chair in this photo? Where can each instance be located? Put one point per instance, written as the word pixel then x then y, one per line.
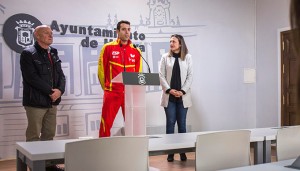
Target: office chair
pixel 222 150
pixel 108 154
pixel 288 143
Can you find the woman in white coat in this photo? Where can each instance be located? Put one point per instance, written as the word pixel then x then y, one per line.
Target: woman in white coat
pixel 176 78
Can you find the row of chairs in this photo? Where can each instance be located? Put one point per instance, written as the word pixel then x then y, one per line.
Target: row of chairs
pixel 230 149
pixel 214 151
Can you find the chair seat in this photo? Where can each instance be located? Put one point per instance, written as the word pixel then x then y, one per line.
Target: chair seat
pixel 288 143
pixel 223 150
pixel 112 154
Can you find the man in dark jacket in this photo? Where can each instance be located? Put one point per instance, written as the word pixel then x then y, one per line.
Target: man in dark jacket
pixel 43 84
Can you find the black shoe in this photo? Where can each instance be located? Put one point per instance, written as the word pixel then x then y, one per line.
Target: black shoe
pixel 54 168
pixel 183 157
pixel 170 158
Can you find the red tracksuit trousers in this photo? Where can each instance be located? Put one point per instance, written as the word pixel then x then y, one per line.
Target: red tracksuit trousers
pixel 112 101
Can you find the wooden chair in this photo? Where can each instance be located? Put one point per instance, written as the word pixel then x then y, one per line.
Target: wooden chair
pixel 288 143
pixel 108 154
pixel 223 150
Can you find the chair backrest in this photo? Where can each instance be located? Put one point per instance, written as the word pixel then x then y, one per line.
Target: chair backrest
pixel 288 143
pixel 223 150
pixel 107 154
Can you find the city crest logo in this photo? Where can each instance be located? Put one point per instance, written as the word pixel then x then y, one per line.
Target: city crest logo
pixel 25 33
pixel 142 78
pixel 18 31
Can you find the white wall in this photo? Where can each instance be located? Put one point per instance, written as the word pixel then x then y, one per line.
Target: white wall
pixel 224 37
pixel 272 16
pixel 223 49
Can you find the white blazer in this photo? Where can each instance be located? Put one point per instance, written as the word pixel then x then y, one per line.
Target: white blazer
pixel 186 74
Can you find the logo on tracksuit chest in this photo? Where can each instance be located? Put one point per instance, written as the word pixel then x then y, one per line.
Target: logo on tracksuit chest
pixel 115 54
pixel 131 58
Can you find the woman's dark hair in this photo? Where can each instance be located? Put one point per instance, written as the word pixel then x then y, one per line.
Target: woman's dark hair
pixel 183 50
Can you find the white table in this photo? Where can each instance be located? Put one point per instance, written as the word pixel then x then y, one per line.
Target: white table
pixel 269 135
pixel 274 166
pixel 36 154
pixel 176 143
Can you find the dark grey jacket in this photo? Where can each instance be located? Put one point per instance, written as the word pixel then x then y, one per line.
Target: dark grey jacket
pixel 39 78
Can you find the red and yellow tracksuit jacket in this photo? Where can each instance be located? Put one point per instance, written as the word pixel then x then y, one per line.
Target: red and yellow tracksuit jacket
pixel 114 59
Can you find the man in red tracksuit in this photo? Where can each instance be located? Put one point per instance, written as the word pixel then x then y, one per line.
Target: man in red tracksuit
pixel 116 57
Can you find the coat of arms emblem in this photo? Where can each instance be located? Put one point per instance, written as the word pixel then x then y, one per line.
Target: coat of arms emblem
pixel 24 33
pixel 142 79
